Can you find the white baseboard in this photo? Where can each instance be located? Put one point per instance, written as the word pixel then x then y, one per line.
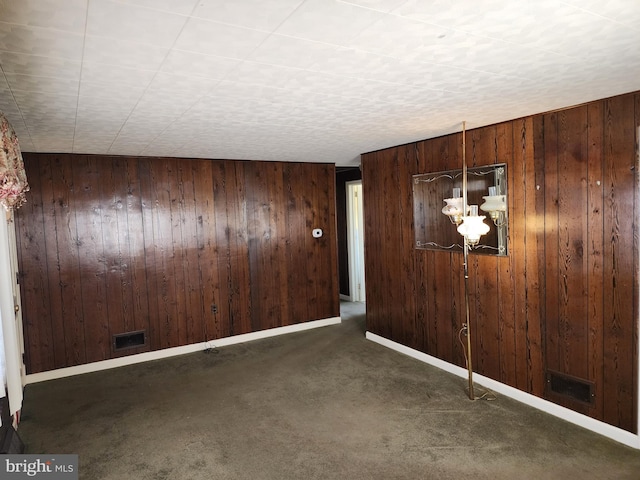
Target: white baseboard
pixel 614 433
pixel 344 297
pixel 172 352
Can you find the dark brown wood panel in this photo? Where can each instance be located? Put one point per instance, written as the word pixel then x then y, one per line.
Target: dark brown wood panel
pixel 506 335
pixel 561 301
pixel 51 212
pixel 620 334
pixel 93 268
pixel 595 252
pixel 34 275
pixel 186 250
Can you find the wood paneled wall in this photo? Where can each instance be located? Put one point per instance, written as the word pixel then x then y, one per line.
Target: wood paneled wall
pixel 565 299
pixel 186 250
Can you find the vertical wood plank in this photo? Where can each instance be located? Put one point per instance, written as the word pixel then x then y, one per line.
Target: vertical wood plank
pixel 535 264
pixel 373 168
pixel 619 334
pixel 178 302
pixel 423 154
pixel 551 241
pixel 164 254
pixel 572 264
pixel 295 228
pixel 209 250
pixel 92 269
pixel 485 272
pixel 636 273
pixel 34 273
pixel 112 233
pixel 526 225
pixel 504 153
pixel 52 197
pixel 189 245
pixel 117 248
pixel 152 272
pixel 238 218
pixel 594 250
pixel 406 168
pixel 136 253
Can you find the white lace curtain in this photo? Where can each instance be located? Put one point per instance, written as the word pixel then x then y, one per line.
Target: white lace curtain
pixel 13 185
pixel 13 180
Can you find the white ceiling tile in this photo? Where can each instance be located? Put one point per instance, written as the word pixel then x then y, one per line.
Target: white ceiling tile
pixel 386 6
pixel 124 80
pixel 31 83
pixel 46 13
pixel 9 107
pixel 183 86
pixel 307 81
pixel 291 52
pixel 408 38
pixel 181 7
pixel 23 64
pixel 262 74
pixel 40 41
pixel 108 99
pixel 52 143
pixel 188 63
pixel 123 53
pixel 621 11
pixel 338 79
pixel 127 148
pixel 24 141
pixel 328 21
pixel 91 148
pixel 45 101
pixel 211 38
pixel 88 125
pixel 257 14
pixel 133 23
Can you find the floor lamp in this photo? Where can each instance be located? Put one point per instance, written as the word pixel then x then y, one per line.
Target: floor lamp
pixel 471 226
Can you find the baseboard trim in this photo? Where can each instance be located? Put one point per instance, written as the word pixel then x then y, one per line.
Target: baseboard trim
pixel 609 431
pixel 344 297
pixel 174 351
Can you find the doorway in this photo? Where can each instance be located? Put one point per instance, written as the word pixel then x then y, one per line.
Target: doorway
pixel 355 241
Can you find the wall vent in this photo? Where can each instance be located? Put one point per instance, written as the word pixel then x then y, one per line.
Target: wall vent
pixel 572 387
pixel 123 341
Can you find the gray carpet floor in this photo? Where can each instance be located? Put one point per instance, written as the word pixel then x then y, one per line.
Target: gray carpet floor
pixel 319 404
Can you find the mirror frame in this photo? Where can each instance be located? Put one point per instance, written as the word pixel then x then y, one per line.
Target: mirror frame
pixel 433 230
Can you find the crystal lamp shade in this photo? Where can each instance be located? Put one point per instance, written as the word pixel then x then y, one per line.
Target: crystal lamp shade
pixel 453 209
pixel 473 226
pixel 494 204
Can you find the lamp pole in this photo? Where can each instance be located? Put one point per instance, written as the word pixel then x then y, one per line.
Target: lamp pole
pixel 466 262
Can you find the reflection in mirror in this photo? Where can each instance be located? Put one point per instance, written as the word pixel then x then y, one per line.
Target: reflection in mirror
pixel 437 208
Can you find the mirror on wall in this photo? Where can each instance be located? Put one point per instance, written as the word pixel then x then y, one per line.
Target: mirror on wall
pixel 436 231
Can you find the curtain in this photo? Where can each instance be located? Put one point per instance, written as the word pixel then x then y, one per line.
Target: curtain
pixel 13 180
pixel 13 185
pixel 10 348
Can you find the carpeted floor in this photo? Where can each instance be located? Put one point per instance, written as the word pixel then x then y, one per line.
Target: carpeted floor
pixel 319 404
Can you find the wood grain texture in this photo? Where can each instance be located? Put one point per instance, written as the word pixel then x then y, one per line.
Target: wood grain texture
pixel 562 298
pixel 186 250
pixel 595 252
pixel 619 333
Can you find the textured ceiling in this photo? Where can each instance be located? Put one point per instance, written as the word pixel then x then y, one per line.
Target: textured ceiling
pixel 298 80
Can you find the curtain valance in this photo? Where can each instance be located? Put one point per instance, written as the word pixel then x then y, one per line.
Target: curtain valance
pixel 13 180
